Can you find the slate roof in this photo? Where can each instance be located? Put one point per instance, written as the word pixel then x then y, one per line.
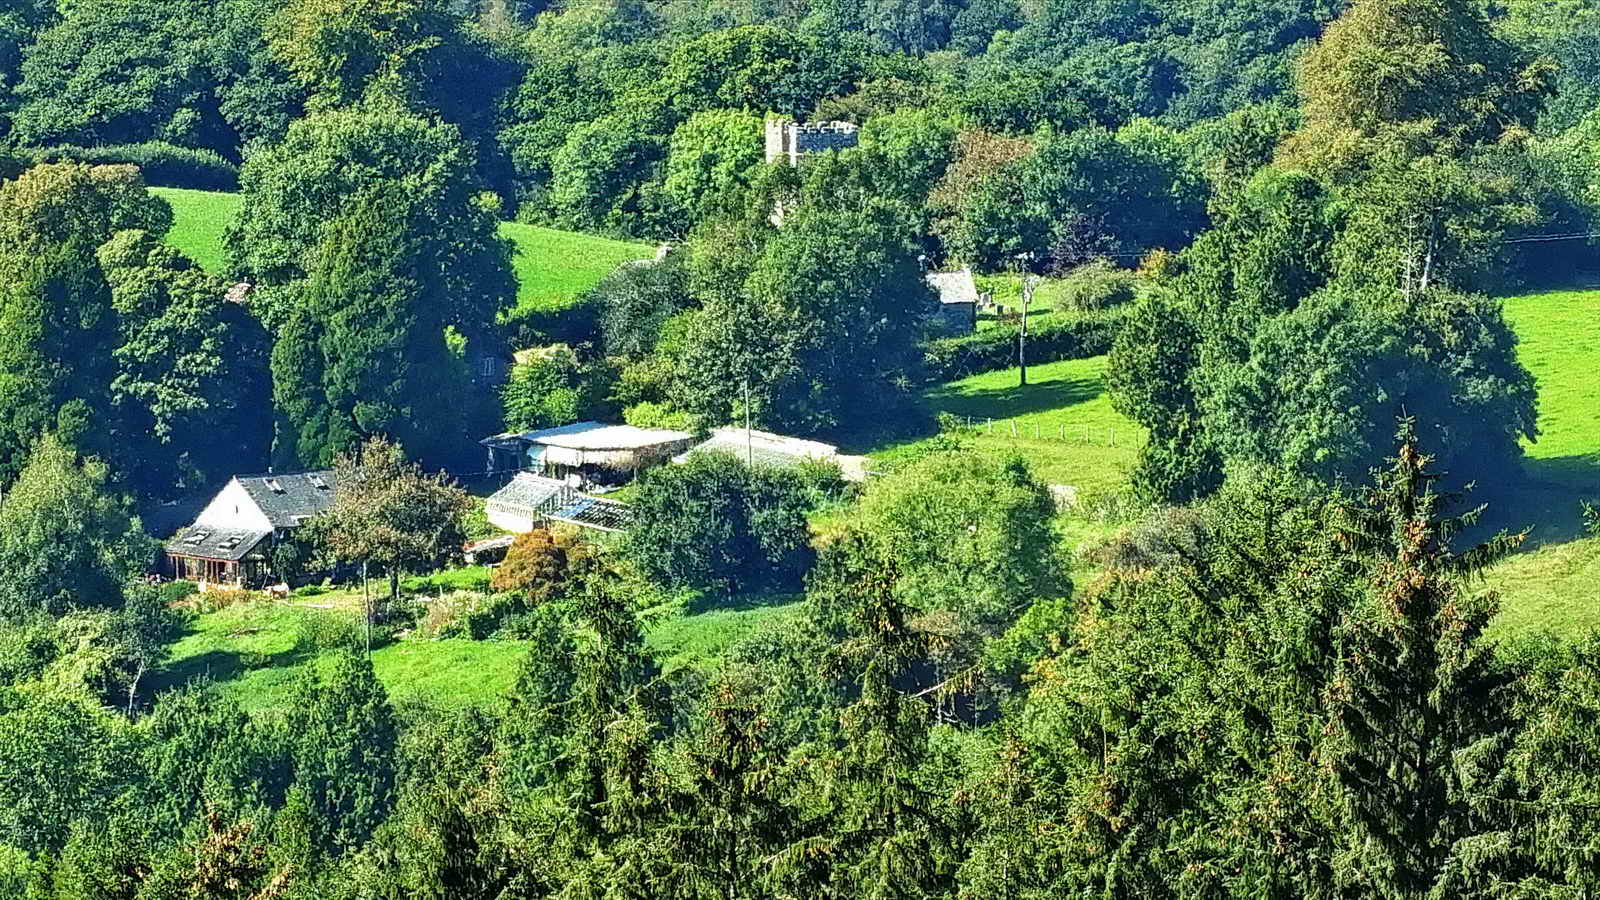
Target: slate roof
pixel 954 287
pixel 209 542
pixel 288 499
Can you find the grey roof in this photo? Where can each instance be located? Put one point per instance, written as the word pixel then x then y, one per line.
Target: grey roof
pixel 209 542
pixel 954 287
pixel 289 499
pixel 763 448
pixel 538 497
pixel 526 492
pixel 594 436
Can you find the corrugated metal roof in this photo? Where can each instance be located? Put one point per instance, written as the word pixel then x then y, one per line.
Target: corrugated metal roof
pixel 595 436
pixel 763 447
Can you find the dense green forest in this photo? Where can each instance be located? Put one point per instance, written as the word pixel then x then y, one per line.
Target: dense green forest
pixel 1262 664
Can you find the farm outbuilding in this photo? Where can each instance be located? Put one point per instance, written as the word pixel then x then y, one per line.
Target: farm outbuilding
pixel 531 501
pixel 958 300
pixel 586 453
pixel 763 448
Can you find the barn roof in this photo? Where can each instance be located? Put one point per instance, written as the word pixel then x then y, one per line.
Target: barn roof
pixel 762 447
pixel 596 436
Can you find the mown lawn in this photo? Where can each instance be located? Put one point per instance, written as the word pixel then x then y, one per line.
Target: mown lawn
pixel 1062 422
pixel 1555 585
pixel 249 650
pixel 199 218
pixel 552 267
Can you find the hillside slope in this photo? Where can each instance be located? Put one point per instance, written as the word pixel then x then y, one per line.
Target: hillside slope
pixel 552 266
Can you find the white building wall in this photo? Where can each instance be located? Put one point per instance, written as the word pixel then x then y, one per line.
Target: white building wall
pixel 233 508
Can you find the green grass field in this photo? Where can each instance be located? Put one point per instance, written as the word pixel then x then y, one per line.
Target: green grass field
pixel 552 267
pixel 1062 422
pixel 698 640
pixel 199 218
pixel 1555 585
pixel 249 651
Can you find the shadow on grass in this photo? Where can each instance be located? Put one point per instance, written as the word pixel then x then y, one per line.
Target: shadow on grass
pixel 219 666
pixel 739 602
pixel 1012 401
pixel 1545 499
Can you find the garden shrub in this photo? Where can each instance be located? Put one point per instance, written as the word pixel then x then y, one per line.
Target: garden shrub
pixel 717 525
pixel 538 564
pixel 446 616
pixel 211 601
pixel 1097 286
pixel 317 630
pixel 177 591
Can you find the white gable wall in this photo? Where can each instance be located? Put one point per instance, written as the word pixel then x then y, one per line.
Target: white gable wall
pixel 233 508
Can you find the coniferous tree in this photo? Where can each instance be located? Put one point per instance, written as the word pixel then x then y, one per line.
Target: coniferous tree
pixel 883 831
pixel 1417 687
pixel 341 733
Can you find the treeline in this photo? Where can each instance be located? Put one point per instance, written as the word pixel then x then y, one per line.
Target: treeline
pixel 1280 691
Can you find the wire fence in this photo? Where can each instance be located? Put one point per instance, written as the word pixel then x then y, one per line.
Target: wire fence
pixel 1062 432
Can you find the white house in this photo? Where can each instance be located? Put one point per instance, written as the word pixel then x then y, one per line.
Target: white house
pixel 231 540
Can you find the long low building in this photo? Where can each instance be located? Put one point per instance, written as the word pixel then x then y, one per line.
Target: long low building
pixel 586 453
pixel 763 448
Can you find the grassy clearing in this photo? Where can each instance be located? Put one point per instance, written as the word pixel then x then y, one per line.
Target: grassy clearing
pixel 199 218
pixel 254 653
pixel 698 640
pixel 250 651
pixel 1062 422
pixel 1555 586
pixel 552 267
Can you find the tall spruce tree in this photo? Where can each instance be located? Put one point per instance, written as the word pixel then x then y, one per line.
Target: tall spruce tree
pixel 1416 687
pixel 883 829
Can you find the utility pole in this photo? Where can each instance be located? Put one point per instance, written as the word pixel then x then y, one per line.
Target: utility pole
pixel 1028 282
pixel 366 605
pixel 749 440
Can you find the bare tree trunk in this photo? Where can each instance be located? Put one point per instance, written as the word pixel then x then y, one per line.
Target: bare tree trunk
pixel 366 605
pixel 133 686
